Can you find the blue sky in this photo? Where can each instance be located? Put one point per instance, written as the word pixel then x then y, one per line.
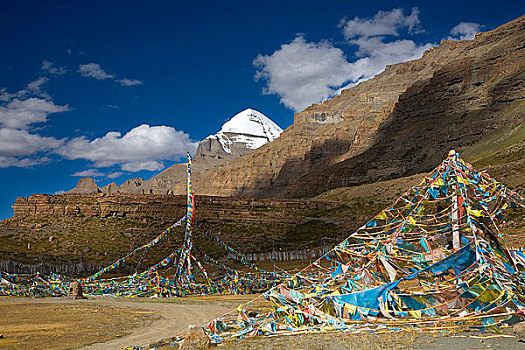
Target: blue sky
pixel 122 89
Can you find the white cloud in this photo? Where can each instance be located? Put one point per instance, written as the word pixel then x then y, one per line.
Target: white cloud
pixel 302 72
pixel 89 173
pixel 109 107
pixel 35 87
pixel 142 148
pixel 6 162
pixel 60 192
pixel 97 173
pixel 16 143
pixel 377 54
pixel 20 113
pixel 383 23
pixel 151 165
pixel 6 96
pixel 114 174
pixel 93 70
pixel 464 31
pixel 50 68
pixel 128 82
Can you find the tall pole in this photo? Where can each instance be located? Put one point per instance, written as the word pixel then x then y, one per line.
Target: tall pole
pixel 190 216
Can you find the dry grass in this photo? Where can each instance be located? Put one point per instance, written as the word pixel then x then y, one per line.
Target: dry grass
pixel 336 341
pixel 63 326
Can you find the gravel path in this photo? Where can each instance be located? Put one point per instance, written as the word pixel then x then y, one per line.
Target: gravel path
pixel 174 320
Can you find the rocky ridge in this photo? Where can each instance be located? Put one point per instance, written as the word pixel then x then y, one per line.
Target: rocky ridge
pixel 401 122
pixel 101 224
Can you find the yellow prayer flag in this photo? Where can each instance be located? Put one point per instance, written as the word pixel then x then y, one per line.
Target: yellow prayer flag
pixel 474 212
pixel 381 216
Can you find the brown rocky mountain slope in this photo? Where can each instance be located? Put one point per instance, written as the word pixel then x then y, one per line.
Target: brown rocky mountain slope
pixel 401 122
pixel 99 226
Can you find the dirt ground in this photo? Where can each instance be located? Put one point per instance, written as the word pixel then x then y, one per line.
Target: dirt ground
pixel 114 323
pixel 26 325
pixel 366 341
pixel 102 323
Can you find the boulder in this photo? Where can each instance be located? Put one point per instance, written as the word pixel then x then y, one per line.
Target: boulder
pixel 195 339
pixel 519 331
pixel 75 290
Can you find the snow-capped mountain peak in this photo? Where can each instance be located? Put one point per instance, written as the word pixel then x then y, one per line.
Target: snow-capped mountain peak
pixel 247 130
pixel 253 123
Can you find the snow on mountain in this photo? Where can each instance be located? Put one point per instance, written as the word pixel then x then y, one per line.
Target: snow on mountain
pixel 245 131
pixel 254 123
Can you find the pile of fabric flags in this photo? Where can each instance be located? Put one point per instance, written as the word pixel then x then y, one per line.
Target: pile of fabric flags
pixel 431 260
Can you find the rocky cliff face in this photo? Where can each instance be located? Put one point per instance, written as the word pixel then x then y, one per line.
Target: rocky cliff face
pixel 162 207
pixel 101 225
pixel 476 97
pixel 401 122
